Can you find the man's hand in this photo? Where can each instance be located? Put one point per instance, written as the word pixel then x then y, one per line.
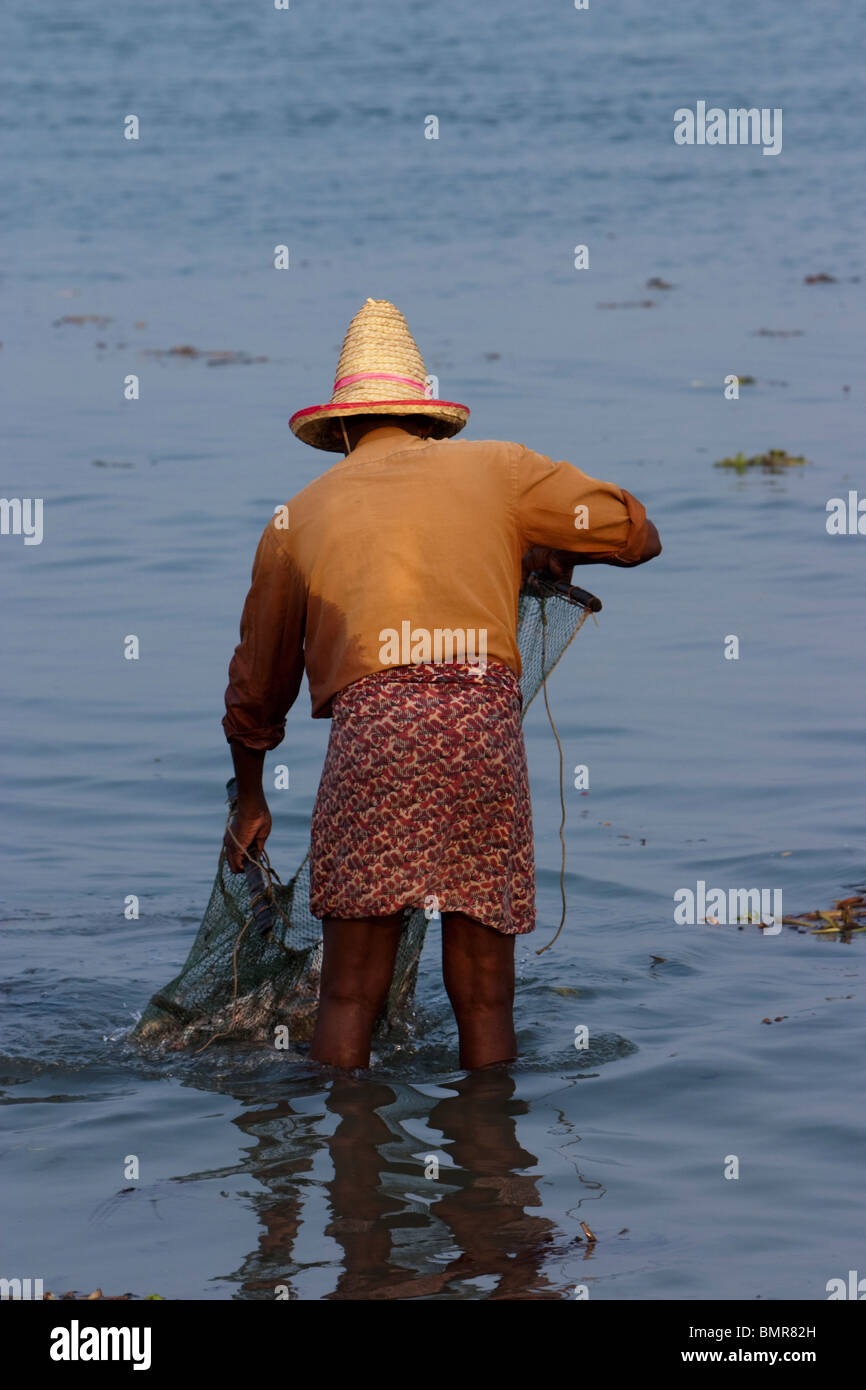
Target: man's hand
pixel 542 560
pixel 251 824
pixel 247 831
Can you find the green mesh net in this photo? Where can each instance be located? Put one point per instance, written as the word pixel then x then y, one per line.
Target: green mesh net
pixel 255 963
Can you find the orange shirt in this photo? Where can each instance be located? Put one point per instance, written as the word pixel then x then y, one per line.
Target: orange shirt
pixel 406 550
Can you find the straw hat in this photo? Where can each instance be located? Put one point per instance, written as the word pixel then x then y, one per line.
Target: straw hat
pixel 380 372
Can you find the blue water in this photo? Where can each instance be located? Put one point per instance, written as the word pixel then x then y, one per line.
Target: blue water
pixel 306 128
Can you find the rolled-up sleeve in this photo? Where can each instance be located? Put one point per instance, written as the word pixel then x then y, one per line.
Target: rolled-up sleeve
pixel 561 507
pixel 266 670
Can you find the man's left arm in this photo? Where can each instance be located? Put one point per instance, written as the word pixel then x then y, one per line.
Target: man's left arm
pixel 560 563
pixel 568 518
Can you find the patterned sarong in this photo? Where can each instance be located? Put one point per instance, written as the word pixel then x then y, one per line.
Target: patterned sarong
pixel 424 797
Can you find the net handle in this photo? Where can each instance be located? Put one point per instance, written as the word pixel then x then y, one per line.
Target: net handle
pixel 540 586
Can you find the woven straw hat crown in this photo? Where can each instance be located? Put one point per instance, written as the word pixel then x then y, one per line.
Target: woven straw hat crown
pixel 378 342
pixel 380 372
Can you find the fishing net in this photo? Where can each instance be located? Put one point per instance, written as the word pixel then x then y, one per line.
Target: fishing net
pixel 252 974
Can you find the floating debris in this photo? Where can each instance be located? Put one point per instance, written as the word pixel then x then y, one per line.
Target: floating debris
pixel 223 359
pixel 97 1293
pixel 214 358
pixel 846 918
pixel 744 380
pixel 778 333
pixel 656 283
pixel 111 463
pixel 772 462
pixel 629 304
pixel 99 319
pixel 780 1018
pixel 821 279
pixel 493 356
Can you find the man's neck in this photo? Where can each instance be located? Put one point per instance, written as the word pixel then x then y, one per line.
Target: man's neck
pixel 387 437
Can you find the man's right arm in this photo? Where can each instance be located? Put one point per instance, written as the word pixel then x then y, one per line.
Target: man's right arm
pixel 264 678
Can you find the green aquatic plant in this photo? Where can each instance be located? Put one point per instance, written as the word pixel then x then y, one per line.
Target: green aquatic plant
pixel 843 920
pixel 772 461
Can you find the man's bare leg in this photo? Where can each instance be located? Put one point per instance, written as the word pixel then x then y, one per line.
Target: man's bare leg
pixel 478 970
pixel 357 968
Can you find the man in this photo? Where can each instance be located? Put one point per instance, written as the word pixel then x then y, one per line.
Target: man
pixel 393 580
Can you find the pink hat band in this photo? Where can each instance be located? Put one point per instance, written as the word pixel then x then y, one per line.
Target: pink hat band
pixel 378 376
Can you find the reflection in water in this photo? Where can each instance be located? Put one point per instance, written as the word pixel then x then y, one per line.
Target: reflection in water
pixel 485 1210
pixel 284 1156
pixel 363 1215
pixel 388 1230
